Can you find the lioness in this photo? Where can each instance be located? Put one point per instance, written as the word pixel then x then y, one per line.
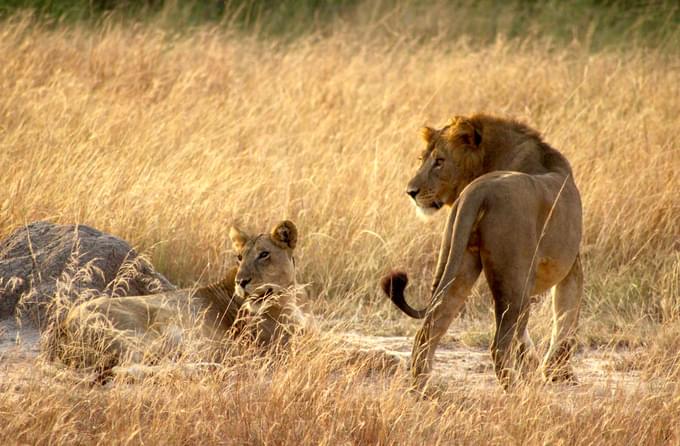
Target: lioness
pixel 256 300
pixel 516 215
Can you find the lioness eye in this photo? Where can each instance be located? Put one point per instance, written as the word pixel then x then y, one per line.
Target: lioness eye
pixel 438 162
pixel 263 255
pixel 239 257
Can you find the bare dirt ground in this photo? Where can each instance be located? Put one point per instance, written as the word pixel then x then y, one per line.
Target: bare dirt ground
pixel 455 363
pixel 19 348
pixel 17 343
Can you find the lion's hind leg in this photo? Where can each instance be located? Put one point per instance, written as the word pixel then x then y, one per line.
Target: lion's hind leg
pixel 566 303
pixel 442 311
pixel 511 348
pixel 508 345
pixel 527 357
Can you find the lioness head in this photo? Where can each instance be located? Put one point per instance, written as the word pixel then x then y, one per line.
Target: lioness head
pixel 451 159
pixel 265 262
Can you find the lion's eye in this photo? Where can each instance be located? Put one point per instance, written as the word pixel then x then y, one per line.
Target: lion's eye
pixel 438 162
pixel 263 255
pixel 239 257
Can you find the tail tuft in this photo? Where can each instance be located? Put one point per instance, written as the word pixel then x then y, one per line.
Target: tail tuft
pixel 394 284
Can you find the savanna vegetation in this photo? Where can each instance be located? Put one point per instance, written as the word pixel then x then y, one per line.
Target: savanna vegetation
pixel 165 123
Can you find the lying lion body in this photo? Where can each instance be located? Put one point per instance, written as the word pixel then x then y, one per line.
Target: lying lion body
pixel 516 215
pixel 257 301
pixel 105 332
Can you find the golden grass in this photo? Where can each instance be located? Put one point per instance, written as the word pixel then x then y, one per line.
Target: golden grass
pixel 165 140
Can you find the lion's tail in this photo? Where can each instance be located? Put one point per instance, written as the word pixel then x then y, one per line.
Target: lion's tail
pixel 467 214
pixel 394 285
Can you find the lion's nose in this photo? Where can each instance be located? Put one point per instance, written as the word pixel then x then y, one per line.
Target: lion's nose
pixel 243 283
pixel 413 192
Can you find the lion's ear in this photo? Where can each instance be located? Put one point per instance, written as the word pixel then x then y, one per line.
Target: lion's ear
pixel 238 238
pixel 285 234
pixel 427 133
pixel 466 130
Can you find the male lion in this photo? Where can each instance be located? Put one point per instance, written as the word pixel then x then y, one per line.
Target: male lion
pixel 256 300
pixel 516 215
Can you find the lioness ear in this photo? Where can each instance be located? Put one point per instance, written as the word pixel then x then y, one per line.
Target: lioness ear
pixel 465 129
pixel 285 234
pixel 238 238
pixel 427 133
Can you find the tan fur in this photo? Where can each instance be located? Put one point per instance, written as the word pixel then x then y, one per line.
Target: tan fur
pixel 257 301
pixel 516 215
pixel 104 332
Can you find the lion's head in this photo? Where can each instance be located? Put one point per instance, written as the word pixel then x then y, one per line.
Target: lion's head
pixel 451 160
pixel 266 266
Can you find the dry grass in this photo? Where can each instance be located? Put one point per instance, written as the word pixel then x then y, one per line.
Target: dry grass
pixel 165 140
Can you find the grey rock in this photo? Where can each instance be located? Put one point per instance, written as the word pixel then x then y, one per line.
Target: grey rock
pixel 42 258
